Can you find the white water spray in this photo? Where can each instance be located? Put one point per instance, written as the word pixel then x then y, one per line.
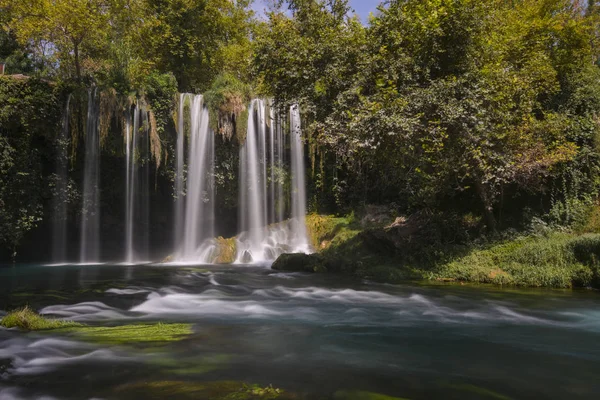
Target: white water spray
pixel 59 229
pixel 198 220
pixel 90 212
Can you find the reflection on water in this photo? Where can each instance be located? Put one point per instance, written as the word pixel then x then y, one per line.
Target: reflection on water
pixel 310 334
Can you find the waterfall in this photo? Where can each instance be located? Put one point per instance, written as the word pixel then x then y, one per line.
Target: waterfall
pixel 262 193
pixel 143 199
pixel 179 178
pixel 272 205
pixel 130 142
pixel 253 219
pixel 136 186
pixel 90 210
pixel 299 232
pixel 279 162
pixel 259 241
pixel 198 220
pixel 59 229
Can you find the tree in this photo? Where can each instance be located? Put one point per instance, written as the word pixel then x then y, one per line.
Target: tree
pixel 72 29
pixel 190 38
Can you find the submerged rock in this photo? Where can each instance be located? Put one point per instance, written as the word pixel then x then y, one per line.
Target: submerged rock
pixel 219 390
pixel 299 262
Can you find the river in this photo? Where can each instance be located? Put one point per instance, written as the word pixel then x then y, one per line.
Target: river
pixel 315 336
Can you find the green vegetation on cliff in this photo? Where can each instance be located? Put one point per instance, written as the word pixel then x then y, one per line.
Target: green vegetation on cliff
pixel 405 250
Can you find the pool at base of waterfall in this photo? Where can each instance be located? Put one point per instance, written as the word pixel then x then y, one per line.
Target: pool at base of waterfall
pixel 244 332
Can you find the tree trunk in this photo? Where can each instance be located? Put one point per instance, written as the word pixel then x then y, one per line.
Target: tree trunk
pixel 488 206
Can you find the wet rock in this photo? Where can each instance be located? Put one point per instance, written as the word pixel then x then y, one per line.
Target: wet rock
pixel 376 215
pixel 299 262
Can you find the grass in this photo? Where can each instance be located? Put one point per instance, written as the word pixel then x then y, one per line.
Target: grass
pixel 27 319
pixel 327 231
pixel 559 260
pixel 126 334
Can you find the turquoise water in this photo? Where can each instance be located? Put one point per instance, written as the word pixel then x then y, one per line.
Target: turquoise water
pixel 312 335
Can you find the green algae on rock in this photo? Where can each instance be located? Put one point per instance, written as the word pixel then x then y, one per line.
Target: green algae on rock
pixel 220 390
pixel 126 334
pixel 361 395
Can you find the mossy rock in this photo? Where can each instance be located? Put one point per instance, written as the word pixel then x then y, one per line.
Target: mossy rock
pixel 227 249
pixel 27 319
pixel 220 390
pixel 129 334
pixel 299 262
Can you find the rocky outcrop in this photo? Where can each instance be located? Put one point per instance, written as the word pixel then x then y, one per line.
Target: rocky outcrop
pixel 299 262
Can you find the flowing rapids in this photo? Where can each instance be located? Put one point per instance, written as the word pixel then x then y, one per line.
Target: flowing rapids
pixel 308 334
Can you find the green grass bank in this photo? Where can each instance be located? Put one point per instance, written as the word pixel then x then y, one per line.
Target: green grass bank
pixel 419 248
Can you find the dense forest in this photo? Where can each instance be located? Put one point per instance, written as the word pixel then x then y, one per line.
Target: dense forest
pixel 468 125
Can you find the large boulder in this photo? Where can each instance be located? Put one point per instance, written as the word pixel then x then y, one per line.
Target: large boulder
pixel 299 262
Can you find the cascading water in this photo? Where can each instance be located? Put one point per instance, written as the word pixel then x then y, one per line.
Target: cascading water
pixel 59 229
pixel 262 199
pixel 90 212
pixel 272 146
pixel 259 241
pixel 253 220
pixel 280 200
pixel 144 189
pixel 198 215
pixel 179 178
pixel 299 232
pixel 136 186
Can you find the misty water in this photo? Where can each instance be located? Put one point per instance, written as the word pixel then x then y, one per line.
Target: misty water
pixel 313 335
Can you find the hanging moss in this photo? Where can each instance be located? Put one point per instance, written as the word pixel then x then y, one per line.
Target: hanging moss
pixel 241 126
pixel 155 144
pixel 213 119
pixel 227 100
pixel 108 108
pixel 268 113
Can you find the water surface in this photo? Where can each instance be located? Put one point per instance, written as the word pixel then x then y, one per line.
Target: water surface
pixel 313 335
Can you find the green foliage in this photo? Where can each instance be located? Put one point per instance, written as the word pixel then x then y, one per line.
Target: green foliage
pixel 27 319
pixel 227 100
pixel 189 38
pixel 459 102
pixel 558 260
pixel 29 116
pixel 74 28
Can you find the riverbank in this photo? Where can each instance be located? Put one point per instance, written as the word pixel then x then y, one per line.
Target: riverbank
pixel 418 248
